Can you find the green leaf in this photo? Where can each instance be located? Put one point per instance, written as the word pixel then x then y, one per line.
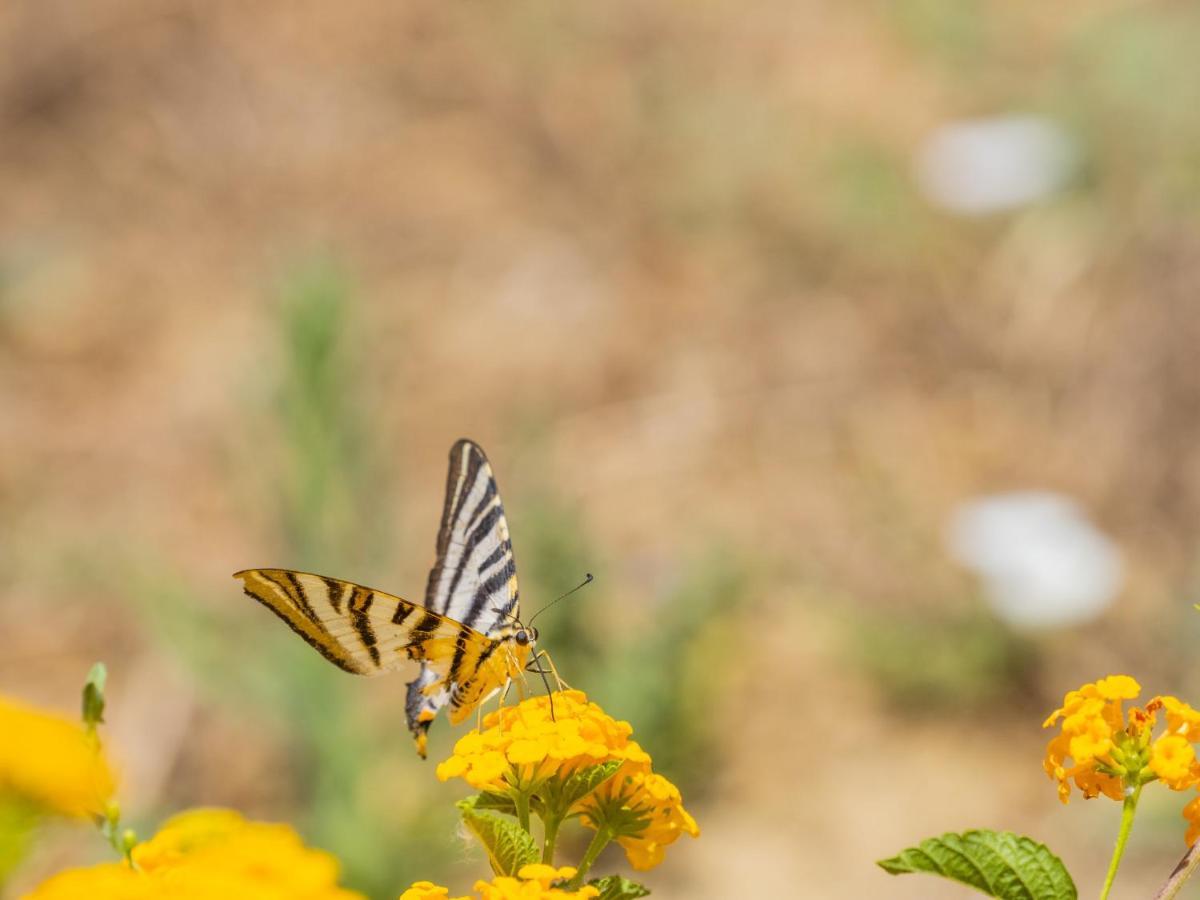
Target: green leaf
pixel 584 781
pixel 496 801
pixel 615 887
pixel 503 803
pixel 1000 864
pixel 93 696
pixel 508 845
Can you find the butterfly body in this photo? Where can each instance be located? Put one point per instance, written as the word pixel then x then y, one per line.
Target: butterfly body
pixel 467 640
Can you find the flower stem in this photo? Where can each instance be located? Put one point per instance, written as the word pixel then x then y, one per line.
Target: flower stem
pixel 521 800
pixel 599 842
pixel 551 824
pixel 1183 871
pixel 1127 812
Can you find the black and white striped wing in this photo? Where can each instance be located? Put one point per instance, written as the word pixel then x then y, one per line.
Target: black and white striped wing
pixel 474 578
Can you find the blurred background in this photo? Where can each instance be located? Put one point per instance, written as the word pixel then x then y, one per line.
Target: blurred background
pixel 852 346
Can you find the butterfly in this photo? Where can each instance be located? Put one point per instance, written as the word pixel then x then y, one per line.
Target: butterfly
pixel 467 640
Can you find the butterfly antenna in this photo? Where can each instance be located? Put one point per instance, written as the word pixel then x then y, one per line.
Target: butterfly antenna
pixel 588 580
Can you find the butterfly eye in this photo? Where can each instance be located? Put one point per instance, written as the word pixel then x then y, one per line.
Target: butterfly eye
pixel 521 637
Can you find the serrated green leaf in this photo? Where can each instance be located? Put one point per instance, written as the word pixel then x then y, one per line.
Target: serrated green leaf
pixel 584 781
pixel 93 695
pixel 508 845
pixel 615 887
pixel 1000 864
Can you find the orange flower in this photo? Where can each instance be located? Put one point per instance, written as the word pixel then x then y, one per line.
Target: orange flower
pixel 1103 749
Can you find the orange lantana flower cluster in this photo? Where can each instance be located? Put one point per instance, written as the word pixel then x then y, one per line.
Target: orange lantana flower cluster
pixel 1104 749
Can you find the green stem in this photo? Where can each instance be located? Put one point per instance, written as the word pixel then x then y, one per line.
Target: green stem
pixel 521 799
pixel 551 832
pixel 599 842
pixel 1127 812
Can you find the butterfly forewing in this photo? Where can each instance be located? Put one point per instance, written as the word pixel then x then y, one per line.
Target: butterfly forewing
pixel 474 577
pixel 359 629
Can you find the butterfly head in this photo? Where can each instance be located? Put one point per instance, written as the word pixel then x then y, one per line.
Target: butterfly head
pixel 526 636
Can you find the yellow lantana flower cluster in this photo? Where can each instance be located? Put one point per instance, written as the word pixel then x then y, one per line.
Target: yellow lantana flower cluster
pixel 208 854
pixel 553 737
pixel 529 742
pixel 654 800
pixel 1113 752
pixel 533 882
pixel 51 762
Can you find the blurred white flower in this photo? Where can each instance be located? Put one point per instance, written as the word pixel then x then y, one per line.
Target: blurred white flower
pixel 1043 564
pixel 980 166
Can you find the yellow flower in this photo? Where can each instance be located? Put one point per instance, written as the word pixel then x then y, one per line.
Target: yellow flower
pixel 1172 759
pixel 1181 718
pixel 206 854
pixel 51 762
pixel 1114 688
pixel 1191 813
pixel 530 746
pixel 644 810
pixel 1112 752
pixel 526 743
pixel 533 882
pixel 427 890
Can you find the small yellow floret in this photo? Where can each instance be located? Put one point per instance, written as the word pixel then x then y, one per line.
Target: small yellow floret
pixel 1117 687
pixel 1173 760
pixel 1191 813
pixel 1090 738
pixel 1181 718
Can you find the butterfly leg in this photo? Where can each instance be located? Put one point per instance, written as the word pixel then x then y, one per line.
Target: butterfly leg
pixel 501 694
pixel 536 667
pixel 508 683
